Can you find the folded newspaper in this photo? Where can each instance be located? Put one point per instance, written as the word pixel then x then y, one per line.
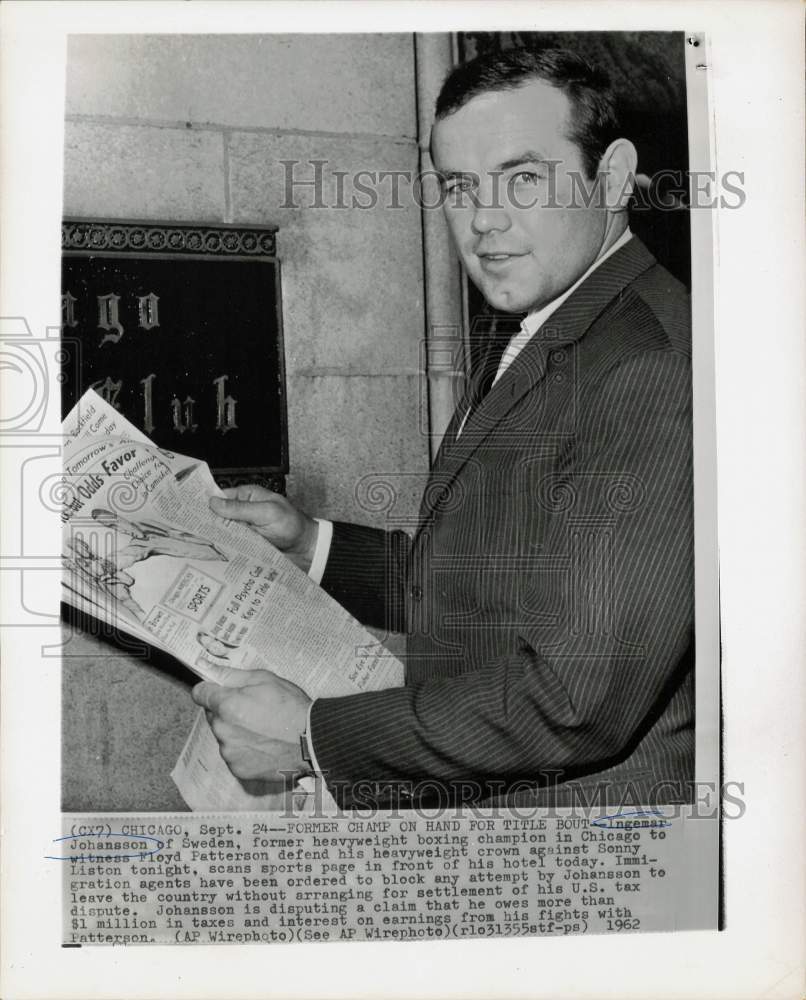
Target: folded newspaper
pixel 143 552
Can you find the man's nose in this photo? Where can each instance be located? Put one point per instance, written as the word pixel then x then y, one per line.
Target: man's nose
pixel 490 212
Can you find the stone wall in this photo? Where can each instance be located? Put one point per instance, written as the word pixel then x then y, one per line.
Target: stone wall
pixel 195 128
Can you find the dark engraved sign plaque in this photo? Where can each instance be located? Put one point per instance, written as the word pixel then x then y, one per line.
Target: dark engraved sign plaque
pixel 178 326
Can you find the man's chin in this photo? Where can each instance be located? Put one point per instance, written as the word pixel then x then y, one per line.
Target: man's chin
pixel 505 300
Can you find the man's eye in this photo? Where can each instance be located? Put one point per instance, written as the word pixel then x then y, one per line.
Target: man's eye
pixel 526 177
pixel 459 185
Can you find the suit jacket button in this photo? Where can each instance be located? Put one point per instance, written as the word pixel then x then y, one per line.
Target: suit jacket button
pixel 416 593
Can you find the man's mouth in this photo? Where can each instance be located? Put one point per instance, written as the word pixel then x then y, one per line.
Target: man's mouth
pixel 497 261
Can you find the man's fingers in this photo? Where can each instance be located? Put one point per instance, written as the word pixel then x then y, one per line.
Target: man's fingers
pixel 235 493
pixel 247 491
pixel 238 509
pixel 209 696
pixel 229 733
pixel 234 510
pixel 250 677
pixel 221 704
pixel 232 677
pixel 214 692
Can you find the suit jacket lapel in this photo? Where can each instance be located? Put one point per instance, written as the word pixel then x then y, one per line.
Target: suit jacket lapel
pixel 469 397
pixel 569 323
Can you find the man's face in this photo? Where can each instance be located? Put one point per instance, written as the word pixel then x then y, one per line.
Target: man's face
pixel 505 160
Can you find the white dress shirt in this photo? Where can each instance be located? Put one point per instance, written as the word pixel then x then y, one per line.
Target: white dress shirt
pixel 531 324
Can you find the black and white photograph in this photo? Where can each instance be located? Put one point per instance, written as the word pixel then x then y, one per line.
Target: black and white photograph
pixel 448 306
pixel 479 350
pixel 375 423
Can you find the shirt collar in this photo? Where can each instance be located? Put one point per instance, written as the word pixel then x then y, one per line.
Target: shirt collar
pixel 534 320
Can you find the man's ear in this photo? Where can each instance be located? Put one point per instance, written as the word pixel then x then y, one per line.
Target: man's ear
pixel 617 168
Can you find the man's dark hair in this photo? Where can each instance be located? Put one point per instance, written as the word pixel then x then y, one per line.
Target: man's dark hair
pixel 594 122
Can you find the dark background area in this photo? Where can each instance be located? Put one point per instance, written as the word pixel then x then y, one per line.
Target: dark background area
pixel 216 317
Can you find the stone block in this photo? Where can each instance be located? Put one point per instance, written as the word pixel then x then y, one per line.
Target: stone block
pixel 143 172
pixel 124 722
pixel 343 83
pixel 352 276
pixel 356 447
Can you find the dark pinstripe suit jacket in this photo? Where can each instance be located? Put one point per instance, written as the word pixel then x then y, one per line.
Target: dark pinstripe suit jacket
pixel 548 593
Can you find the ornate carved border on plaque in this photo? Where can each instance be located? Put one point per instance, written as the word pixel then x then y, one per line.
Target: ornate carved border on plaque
pixel 174 238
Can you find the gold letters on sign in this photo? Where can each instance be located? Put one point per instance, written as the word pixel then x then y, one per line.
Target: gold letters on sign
pixel 183 412
pixel 109 314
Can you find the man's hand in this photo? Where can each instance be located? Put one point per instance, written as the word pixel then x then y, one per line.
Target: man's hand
pixel 257 718
pixel 272 516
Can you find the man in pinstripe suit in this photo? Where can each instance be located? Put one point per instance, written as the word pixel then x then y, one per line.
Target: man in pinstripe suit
pixel 547 596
